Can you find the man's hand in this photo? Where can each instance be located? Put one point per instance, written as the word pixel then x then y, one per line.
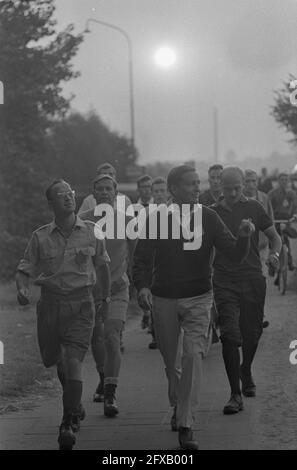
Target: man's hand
pixel 145 299
pixel 273 261
pixel 246 228
pixel 23 296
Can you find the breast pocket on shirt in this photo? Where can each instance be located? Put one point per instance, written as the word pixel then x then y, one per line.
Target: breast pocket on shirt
pixel 83 257
pixel 49 260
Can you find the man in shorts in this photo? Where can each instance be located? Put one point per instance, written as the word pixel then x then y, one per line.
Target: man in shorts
pixel 107 330
pixel 65 258
pixel 240 289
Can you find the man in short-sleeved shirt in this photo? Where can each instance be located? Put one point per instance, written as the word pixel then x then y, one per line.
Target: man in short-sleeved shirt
pixel 65 259
pixel 239 289
pixel 107 331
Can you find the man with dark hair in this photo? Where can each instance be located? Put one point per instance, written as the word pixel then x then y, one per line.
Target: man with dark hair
pixel 264 181
pixel 144 188
pixel 160 196
pixel 211 195
pixel 284 205
pixel 65 257
pixel 239 290
pixel 180 295
pixel 107 331
pixel 159 190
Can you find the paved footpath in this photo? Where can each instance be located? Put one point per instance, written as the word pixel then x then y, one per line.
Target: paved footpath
pixel 267 422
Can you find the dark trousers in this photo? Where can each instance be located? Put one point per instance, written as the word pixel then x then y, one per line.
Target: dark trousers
pixel 240 305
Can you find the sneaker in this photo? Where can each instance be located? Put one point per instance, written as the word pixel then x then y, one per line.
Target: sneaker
pixel 98 396
pixel 153 345
pixel 234 405
pixel 248 385
pixel 66 437
pixel 173 421
pixel 186 439
pixel 77 417
pixel 110 405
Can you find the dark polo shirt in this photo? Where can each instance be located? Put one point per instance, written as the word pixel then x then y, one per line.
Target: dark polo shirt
pixel 178 273
pixel 245 209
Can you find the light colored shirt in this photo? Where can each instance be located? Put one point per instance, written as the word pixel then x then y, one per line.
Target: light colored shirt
pixel 117 249
pixel 64 264
pixel 90 203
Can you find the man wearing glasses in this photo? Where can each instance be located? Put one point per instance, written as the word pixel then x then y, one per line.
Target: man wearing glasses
pixel 65 259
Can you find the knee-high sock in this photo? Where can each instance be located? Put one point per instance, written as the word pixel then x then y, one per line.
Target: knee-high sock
pixel 232 364
pixel 72 396
pixel 249 349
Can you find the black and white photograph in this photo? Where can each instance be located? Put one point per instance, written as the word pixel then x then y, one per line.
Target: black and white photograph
pixel 148 215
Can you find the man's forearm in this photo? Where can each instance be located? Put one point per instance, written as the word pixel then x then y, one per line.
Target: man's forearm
pixel 22 280
pixel 276 243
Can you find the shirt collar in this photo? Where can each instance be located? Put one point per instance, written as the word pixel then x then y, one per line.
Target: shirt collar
pixel 221 202
pixel 78 223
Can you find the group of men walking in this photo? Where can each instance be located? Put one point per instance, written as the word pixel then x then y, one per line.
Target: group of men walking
pixel 84 276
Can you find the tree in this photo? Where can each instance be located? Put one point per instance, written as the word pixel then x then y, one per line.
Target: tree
pixel 77 144
pixel 34 62
pixel 284 112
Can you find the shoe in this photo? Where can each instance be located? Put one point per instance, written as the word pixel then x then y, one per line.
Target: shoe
pixel 66 437
pixel 77 417
pixel 265 324
pixel 248 385
pixel 153 345
pixel 98 396
pixel 234 405
pixel 173 421
pixel 110 405
pixel 186 439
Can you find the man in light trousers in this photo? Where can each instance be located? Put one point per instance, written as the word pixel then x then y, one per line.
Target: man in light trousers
pixel 180 294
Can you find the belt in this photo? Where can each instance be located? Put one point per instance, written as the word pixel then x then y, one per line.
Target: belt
pixel 74 294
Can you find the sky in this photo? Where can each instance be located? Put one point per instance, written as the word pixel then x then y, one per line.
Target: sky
pixel 231 55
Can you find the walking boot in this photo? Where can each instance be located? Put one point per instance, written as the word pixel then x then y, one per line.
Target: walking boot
pixel 110 405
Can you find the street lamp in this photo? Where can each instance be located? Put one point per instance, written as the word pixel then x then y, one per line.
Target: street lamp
pixel 130 64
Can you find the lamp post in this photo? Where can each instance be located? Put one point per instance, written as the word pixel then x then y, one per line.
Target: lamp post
pixel 130 68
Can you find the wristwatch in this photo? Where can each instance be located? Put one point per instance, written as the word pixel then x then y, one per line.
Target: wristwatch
pixel 107 300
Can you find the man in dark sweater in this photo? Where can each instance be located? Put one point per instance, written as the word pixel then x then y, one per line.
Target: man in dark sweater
pixel 181 291
pixel 239 290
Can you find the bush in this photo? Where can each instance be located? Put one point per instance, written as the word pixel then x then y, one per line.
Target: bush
pixel 11 251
